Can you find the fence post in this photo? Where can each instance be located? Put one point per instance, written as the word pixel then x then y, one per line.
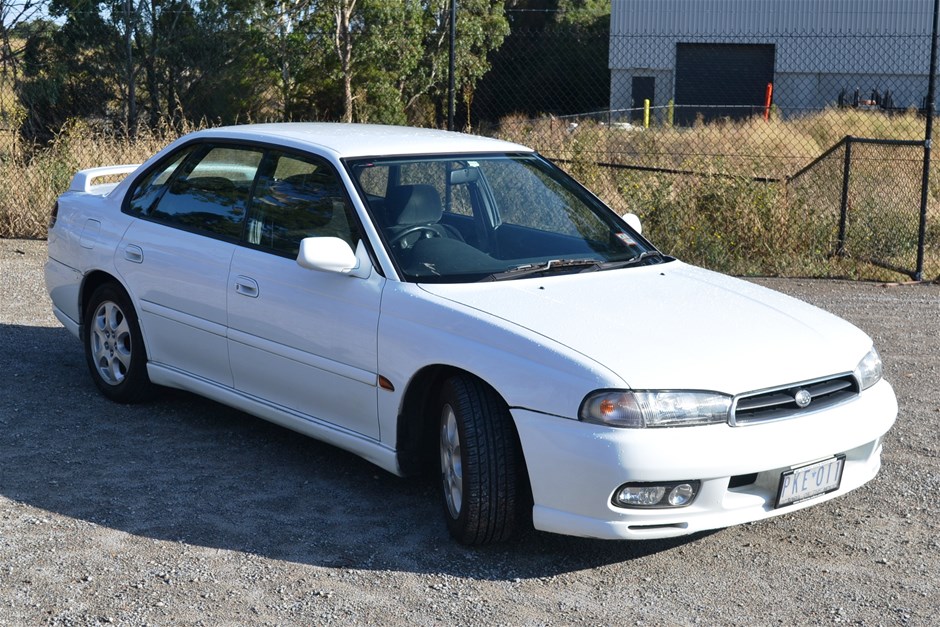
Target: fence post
pixel 131 91
pixel 451 80
pixel 844 205
pixel 646 113
pixel 928 139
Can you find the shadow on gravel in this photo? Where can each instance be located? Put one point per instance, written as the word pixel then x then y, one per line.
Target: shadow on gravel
pixel 185 469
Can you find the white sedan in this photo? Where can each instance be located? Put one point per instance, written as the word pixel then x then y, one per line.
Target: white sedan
pixel 428 299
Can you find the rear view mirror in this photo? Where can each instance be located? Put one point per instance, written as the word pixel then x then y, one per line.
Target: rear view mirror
pixel 633 221
pixel 464 175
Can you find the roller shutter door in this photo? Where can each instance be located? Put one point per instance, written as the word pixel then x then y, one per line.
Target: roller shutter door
pixel 722 80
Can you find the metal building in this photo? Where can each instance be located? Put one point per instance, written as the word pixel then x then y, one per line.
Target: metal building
pixel 715 58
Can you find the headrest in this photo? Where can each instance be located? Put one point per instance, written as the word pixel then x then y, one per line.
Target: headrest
pixel 413 204
pixel 298 196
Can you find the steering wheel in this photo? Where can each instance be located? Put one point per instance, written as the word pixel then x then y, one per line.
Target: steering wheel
pixel 414 229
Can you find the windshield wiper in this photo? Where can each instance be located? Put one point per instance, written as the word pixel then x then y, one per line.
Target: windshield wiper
pixel 635 261
pixel 547 267
pixel 563 265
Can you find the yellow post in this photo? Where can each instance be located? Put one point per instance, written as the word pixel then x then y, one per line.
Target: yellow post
pixel 646 113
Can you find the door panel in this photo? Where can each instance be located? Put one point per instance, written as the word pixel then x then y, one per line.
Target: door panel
pixel 179 281
pixel 306 340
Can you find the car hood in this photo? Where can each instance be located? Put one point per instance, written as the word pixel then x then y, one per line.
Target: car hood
pixel 675 326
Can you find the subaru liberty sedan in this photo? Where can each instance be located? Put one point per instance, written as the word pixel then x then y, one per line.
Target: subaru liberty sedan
pixel 445 303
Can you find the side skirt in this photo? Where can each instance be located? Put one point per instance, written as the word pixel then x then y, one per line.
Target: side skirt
pixel 371 450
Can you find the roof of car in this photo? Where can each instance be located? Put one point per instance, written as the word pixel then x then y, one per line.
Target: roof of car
pixel 365 140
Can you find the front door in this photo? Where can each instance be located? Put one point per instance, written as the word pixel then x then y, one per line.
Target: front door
pixel 303 340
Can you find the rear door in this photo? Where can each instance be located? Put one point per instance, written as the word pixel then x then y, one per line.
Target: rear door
pixel 175 259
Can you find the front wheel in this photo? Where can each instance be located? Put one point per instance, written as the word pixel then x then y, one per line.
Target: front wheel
pixel 482 469
pixel 114 346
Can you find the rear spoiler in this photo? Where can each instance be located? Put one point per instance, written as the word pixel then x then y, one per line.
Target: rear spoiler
pixel 83 181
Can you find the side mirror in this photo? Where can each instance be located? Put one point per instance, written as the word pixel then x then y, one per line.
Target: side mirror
pixel 330 254
pixel 633 221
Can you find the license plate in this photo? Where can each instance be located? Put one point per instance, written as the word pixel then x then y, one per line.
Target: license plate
pixel 810 481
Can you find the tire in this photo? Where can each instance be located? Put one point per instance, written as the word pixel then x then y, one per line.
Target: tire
pixel 114 346
pixel 482 469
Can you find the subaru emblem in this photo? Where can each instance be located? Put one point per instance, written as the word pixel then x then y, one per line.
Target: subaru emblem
pixel 803 398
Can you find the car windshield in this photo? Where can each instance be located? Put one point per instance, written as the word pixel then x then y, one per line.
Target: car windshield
pixel 459 219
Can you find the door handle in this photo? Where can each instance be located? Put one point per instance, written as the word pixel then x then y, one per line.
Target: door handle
pixel 134 254
pixel 246 286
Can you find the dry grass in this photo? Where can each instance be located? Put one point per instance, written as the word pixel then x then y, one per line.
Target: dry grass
pixel 752 148
pixel 728 223
pixel 724 220
pixel 34 177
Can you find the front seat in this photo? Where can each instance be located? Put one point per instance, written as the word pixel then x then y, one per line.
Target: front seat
pixel 414 212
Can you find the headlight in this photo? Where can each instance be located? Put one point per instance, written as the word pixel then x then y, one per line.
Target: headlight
pixel 868 371
pixel 655 409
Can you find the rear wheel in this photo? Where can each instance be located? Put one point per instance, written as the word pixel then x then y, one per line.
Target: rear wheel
pixel 482 470
pixel 114 346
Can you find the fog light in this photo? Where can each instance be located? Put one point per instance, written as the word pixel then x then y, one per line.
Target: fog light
pixel 681 495
pixel 656 495
pixel 641 496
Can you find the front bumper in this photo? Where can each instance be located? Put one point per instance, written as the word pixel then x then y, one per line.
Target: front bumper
pixel 574 467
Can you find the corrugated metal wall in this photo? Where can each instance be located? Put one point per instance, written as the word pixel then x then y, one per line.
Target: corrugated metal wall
pixel 765 17
pixel 822 46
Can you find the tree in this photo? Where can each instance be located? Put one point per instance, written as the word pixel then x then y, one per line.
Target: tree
pixel 583 13
pixel 481 28
pixel 554 61
pixel 395 70
pixel 343 41
pixel 393 55
pixel 69 70
pixel 221 66
pixel 285 18
pixel 17 19
pixel 167 60
pixel 15 15
pixel 148 61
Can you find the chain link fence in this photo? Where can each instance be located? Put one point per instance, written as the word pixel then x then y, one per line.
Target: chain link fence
pixel 860 202
pixel 710 117
pixel 774 137
pixel 32 177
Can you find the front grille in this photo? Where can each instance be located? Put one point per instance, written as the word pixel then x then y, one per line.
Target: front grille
pixel 781 403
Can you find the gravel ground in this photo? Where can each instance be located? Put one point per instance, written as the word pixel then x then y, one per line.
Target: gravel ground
pixel 182 511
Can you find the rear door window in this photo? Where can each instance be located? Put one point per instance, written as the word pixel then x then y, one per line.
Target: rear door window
pixel 205 190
